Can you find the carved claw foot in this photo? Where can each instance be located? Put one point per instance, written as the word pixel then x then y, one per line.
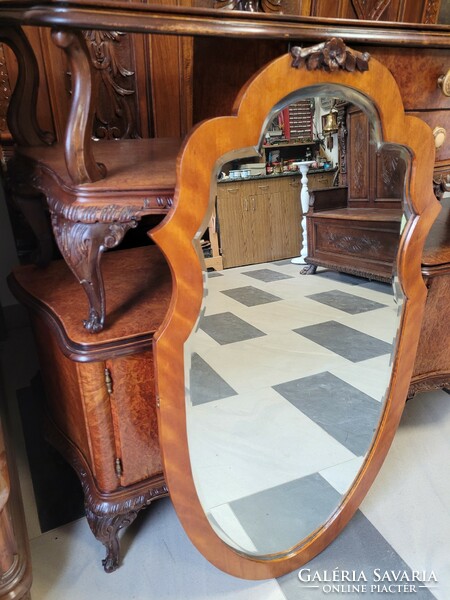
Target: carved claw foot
pixel 308 270
pixel 95 322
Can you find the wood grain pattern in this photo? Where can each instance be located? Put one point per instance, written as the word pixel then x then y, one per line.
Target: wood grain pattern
pixel 209 141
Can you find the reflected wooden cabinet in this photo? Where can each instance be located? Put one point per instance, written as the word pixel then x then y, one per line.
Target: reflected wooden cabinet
pixel 259 220
pixel 100 398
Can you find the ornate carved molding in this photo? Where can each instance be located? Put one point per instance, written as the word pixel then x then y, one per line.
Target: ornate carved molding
pixel 431 11
pixel 112 213
pixel 330 56
pixel 114 113
pixel 350 270
pixel 370 10
pixel 267 6
pixel 355 244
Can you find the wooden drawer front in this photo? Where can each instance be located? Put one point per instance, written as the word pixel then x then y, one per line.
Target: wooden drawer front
pixel 360 242
pixel 133 408
pixel 318 181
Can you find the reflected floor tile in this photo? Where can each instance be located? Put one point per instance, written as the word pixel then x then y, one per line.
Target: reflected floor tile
pixel 251 296
pixel 345 341
pixel 349 303
pixel 279 517
pixel 263 362
pixel 267 275
pixel 246 443
pixel 343 475
pixel 342 410
pixel 359 548
pixel 205 385
pixel 227 328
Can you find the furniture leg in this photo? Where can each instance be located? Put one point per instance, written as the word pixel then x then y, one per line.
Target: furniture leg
pixel 82 245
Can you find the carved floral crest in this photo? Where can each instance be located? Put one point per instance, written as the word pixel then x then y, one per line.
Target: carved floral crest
pixel 330 56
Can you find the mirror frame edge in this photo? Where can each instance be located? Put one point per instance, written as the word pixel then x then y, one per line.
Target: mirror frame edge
pixel 175 235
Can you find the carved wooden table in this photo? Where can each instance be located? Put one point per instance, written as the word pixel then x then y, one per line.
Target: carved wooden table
pixel 100 389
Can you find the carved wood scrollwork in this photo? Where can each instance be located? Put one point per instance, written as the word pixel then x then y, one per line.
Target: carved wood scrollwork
pixel 330 56
pixel 354 244
pixel 267 6
pixel 82 245
pixel 115 113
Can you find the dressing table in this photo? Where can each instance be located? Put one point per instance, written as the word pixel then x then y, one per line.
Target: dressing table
pixel 96 191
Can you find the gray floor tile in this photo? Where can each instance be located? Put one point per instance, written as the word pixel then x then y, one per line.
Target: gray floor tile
pixel 250 296
pixel 378 286
pixel 267 275
pixel 349 303
pixel 279 517
pixel 215 274
pixel 282 263
pixel 205 384
pixel 359 548
pixel 227 328
pixel 345 341
pixel 342 410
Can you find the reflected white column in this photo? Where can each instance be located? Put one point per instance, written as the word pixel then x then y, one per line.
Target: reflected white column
pixel 304 200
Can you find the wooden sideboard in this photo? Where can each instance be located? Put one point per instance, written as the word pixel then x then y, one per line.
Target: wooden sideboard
pixel 100 396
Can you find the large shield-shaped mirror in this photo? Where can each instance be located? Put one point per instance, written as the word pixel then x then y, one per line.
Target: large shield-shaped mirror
pixel 284 363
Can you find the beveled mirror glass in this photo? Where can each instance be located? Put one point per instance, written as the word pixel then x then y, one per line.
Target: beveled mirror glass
pixel 281 387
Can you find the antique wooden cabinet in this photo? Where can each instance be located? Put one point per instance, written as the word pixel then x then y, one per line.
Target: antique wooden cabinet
pixel 259 220
pixel 100 397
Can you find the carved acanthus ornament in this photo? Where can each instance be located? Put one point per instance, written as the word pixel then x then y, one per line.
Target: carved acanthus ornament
pixel 354 244
pixel 330 56
pixel 114 113
pixel 267 6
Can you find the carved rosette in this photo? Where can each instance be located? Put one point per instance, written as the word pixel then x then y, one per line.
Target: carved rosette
pixel 330 56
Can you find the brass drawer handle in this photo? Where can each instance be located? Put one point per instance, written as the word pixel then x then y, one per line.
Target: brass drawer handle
pixel 263 187
pixel 444 83
pixel 232 190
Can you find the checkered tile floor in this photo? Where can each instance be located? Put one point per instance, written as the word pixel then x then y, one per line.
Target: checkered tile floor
pixel 287 378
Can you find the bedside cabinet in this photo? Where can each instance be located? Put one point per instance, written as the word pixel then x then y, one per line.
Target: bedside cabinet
pixel 100 398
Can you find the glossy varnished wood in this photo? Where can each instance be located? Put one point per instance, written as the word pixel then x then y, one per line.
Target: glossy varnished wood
pixel 138 284
pixel 210 141
pixel 100 393
pixel 432 365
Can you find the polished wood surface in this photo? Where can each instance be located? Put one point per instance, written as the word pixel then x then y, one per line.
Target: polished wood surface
pixel 15 559
pixel 138 283
pixel 432 365
pixel 210 141
pixel 100 390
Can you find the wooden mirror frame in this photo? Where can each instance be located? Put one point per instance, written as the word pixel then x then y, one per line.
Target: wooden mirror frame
pixel 196 167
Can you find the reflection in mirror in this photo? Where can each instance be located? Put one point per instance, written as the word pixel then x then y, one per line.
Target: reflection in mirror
pixel 286 373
